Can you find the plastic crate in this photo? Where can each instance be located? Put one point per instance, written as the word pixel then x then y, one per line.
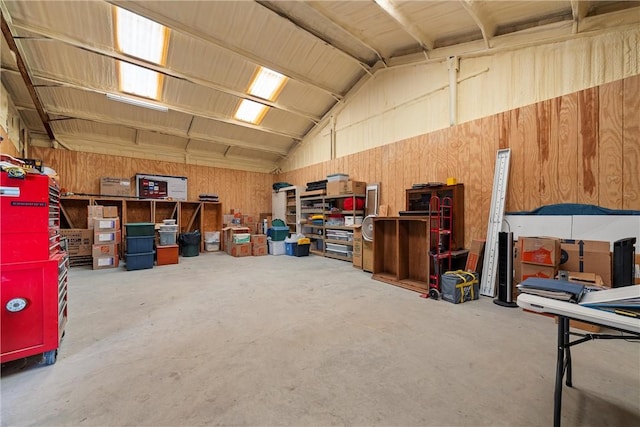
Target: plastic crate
pixel 276 248
pixel 279 233
pixel 139 261
pixel 290 248
pixel 140 229
pixel 302 249
pixel 167 238
pixel 139 244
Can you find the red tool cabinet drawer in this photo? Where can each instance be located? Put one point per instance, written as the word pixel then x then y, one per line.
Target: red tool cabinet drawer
pixel 29 308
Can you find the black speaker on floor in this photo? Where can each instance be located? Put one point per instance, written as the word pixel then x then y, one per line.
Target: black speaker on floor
pixel 623 262
pixel 505 270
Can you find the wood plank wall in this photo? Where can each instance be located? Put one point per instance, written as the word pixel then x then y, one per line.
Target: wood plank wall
pixel 248 192
pixel 6 147
pixel 583 147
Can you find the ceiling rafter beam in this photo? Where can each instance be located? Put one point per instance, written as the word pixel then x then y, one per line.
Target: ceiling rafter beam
pixel 390 8
pixel 178 26
pixel 44 117
pixel 180 109
pixel 486 25
pixel 306 29
pixel 579 10
pixel 350 33
pixel 113 54
pixel 83 116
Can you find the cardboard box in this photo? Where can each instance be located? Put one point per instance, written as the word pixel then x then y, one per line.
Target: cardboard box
pixel 576 324
pixel 79 241
pixel 584 278
pixel 120 187
pixel 104 250
pixel 637 281
pixel 259 239
pixel 540 250
pixel 106 224
pixel 367 256
pixel 535 270
pixel 356 187
pixel 476 256
pixel 106 237
pixel 227 236
pixel 102 262
pixel 357 246
pixel 110 212
pixel 259 250
pixel 587 256
pixel 336 188
pixel 239 249
pixel 95 211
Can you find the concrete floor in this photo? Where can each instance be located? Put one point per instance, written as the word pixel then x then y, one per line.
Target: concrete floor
pixel 264 341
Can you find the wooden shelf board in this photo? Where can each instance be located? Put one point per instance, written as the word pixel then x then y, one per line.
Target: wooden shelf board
pixel 314 236
pixel 339 227
pixel 340 257
pixel 410 284
pixel 340 242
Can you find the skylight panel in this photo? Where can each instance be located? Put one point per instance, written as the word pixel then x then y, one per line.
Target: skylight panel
pixel 250 111
pixel 267 84
pixel 139 81
pixel 140 37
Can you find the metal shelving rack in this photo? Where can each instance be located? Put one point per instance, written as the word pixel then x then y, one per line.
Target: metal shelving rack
pixel 342 235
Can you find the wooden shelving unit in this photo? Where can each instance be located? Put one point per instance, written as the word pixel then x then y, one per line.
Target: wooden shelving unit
pixel 165 209
pixel 419 199
pixel 401 251
pixel 321 243
pixel 190 215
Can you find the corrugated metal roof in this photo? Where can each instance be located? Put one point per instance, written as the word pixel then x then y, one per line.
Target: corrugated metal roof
pixel 215 47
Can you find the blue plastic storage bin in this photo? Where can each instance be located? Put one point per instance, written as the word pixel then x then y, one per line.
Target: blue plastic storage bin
pixel 290 248
pixel 139 261
pixel 279 233
pixel 139 244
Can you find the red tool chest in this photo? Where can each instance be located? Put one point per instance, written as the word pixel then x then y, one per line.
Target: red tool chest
pixel 33 268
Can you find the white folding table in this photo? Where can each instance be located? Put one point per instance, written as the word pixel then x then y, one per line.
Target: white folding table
pixel 628 326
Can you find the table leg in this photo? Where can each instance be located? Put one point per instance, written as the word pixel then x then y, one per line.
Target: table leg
pixel 567 351
pixel 557 395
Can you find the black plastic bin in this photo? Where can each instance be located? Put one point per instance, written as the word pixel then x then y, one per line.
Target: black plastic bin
pixel 189 243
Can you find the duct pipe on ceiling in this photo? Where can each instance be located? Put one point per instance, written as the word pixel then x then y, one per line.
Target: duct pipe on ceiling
pixel 453 64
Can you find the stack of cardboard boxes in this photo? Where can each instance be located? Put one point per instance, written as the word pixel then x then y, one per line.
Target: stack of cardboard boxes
pixel 258 244
pixel 238 219
pixel 231 244
pixel 538 257
pixel 584 261
pixel 105 223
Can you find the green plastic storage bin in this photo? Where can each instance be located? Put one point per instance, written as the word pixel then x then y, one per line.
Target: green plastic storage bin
pixel 279 233
pixel 137 229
